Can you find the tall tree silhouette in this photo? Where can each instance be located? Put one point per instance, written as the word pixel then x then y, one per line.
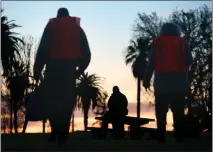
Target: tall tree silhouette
pixel 144 29
pixel 137 55
pixel 90 93
pixel 10 44
pixel 10 65
pixel 16 83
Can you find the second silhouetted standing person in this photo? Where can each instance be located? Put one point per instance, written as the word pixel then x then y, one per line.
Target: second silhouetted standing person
pixel 170 58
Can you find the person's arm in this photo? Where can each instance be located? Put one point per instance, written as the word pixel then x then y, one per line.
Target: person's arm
pixel 86 54
pixel 109 102
pixel 149 69
pixel 42 53
pixel 126 102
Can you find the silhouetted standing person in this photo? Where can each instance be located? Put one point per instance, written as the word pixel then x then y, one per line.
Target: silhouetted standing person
pixel 65 51
pixel 117 106
pixel 170 58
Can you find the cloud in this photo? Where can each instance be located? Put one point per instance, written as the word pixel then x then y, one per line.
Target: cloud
pixel 165 14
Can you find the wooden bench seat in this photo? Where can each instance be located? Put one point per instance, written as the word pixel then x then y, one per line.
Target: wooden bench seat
pixel 131 120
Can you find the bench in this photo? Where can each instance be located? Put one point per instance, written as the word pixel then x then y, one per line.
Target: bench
pixel 135 124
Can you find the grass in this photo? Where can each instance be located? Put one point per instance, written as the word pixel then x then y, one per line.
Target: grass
pixel 83 141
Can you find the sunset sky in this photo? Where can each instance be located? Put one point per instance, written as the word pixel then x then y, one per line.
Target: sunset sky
pixel 108 26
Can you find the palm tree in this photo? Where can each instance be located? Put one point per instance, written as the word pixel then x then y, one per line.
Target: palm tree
pixel 10 44
pixel 5 95
pixel 90 93
pixel 10 48
pixel 17 84
pixel 137 54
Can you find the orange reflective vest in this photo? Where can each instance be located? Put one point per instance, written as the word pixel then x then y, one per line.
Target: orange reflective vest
pixel 65 38
pixel 170 54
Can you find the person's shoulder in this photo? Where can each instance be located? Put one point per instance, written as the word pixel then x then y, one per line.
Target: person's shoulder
pixel 111 96
pixel 123 95
pixel 51 20
pixel 183 40
pixel 82 31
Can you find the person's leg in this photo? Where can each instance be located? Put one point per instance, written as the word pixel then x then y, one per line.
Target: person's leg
pixel 177 107
pixel 52 116
pixel 68 104
pixel 53 133
pixel 161 109
pixel 115 127
pixel 118 127
pixel 64 126
pixel 60 92
pixel 121 130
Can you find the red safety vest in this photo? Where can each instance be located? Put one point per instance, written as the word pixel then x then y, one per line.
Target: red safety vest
pixel 65 38
pixel 170 54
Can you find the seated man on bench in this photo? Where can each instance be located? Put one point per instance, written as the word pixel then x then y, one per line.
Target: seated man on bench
pixel 117 112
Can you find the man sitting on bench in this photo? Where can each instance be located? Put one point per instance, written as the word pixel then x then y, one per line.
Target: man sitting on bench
pixel 117 112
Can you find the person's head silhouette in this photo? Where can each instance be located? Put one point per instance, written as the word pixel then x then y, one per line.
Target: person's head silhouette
pixel 62 12
pixel 170 29
pixel 115 89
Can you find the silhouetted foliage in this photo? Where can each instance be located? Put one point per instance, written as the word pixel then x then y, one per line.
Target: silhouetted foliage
pixel 19 79
pixel 90 93
pixel 10 44
pixel 137 53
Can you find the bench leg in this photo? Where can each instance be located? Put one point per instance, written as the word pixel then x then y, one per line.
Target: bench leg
pixel 135 132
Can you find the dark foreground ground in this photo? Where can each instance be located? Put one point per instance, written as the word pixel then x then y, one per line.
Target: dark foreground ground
pixel 83 141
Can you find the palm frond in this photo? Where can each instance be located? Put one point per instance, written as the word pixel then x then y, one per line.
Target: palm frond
pixel 10 44
pixel 90 91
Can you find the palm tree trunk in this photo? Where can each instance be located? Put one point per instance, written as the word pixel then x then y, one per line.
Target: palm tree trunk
pixel 15 117
pixel 11 117
pixel 138 98
pixel 73 124
pixel 43 126
pixel 86 111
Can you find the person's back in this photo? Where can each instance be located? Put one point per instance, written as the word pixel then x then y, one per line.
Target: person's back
pixel 62 49
pixel 118 104
pixel 170 58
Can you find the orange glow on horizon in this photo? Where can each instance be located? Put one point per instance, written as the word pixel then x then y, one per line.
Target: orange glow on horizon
pixel 36 127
